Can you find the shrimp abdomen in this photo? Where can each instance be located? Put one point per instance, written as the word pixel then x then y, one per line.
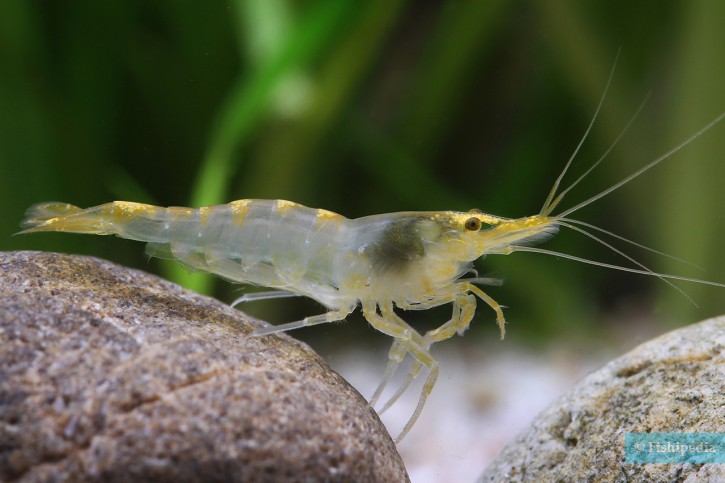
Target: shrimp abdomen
pixel 274 243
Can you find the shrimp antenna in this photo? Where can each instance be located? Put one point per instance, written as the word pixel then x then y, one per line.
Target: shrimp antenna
pixel 558 199
pixel 631 242
pixel 615 267
pixel 547 208
pixel 646 167
pixel 619 252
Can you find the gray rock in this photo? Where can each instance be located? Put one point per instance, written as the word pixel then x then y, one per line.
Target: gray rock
pixel 674 383
pixel 112 374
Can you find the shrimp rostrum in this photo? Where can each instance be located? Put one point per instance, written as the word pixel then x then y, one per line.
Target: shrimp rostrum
pixel 408 260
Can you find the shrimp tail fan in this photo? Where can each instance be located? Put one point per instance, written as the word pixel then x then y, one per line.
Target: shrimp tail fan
pixel 55 216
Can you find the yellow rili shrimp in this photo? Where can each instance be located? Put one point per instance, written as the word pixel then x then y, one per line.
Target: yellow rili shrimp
pixel 409 260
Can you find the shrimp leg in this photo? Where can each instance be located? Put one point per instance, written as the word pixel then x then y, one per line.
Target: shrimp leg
pixel 498 308
pixel 400 332
pixel 331 316
pixel 463 301
pixel 464 308
pixel 274 294
pixel 395 357
pixel 412 374
pixel 411 342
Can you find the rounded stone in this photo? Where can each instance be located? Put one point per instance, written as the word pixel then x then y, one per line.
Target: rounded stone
pixel 672 384
pixel 112 374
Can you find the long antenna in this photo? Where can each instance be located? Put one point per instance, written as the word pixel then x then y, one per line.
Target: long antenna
pixel 552 193
pixel 558 199
pixel 648 166
pixel 615 267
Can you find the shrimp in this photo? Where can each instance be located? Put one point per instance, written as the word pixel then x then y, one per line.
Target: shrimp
pixel 409 260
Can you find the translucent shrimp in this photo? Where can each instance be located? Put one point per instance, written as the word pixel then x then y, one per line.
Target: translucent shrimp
pixel 409 260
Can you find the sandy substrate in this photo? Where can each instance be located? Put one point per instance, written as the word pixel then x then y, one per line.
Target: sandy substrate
pixel 479 403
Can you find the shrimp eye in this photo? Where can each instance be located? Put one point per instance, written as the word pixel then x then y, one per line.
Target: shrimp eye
pixel 473 224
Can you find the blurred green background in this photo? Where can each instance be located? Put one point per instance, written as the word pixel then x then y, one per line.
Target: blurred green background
pixel 380 106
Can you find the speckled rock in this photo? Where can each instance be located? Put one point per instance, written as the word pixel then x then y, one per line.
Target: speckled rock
pixel 112 374
pixel 674 383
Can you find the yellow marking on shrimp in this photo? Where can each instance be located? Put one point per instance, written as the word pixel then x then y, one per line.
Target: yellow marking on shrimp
pixel 326 216
pixel 204 213
pixel 427 286
pixel 239 211
pixel 180 212
pixel 356 282
pixel 284 206
pixel 124 210
pixel 461 218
